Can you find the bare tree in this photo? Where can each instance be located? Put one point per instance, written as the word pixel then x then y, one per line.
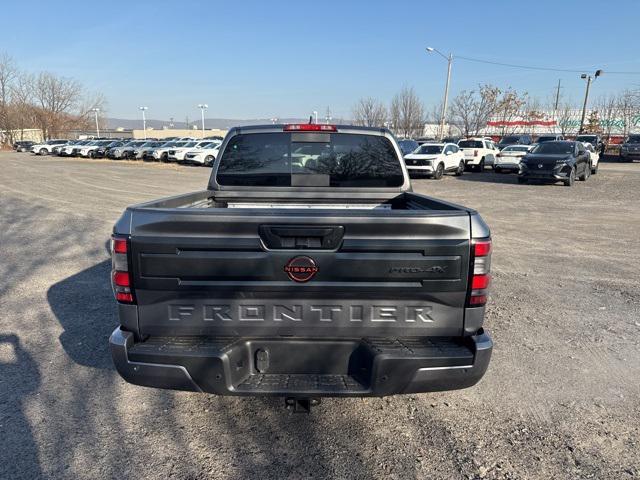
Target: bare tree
pixel 606 107
pixel 510 107
pixel 407 113
pixel 23 111
pixel 533 114
pixel 57 99
pixel 8 75
pixel 473 109
pixel 566 118
pixel 628 105
pixel 369 112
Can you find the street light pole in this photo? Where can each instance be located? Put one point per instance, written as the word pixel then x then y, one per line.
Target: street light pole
pixel 445 102
pixel 144 121
pixel 96 110
pixel 202 107
pixel 586 96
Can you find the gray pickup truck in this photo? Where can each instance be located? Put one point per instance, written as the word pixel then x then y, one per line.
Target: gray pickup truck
pixel 307 268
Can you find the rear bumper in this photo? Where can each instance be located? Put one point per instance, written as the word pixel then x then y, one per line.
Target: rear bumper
pixel 508 165
pixel 302 367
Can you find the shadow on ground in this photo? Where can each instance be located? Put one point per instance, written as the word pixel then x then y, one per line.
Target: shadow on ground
pixel 256 435
pixel 19 379
pixel 84 306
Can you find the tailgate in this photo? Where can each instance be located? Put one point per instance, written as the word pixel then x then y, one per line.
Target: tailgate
pixel 215 272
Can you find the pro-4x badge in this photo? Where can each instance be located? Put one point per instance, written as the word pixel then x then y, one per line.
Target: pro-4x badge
pixel 301 269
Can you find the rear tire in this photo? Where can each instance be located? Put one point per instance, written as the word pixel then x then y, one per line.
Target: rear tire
pixel 572 178
pixel 460 169
pixel 586 174
pixel 43 151
pixel 497 169
pixel 481 166
pixel 439 171
pixel 208 161
pixel 164 158
pixel 594 170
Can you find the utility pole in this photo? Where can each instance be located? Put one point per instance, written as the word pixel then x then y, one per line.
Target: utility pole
pixel 96 110
pixel 588 78
pixel 327 116
pixel 445 102
pixel 144 121
pixel 202 107
pixel 557 103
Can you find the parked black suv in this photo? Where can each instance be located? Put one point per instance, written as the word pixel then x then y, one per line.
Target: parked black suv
pixel 630 149
pixel 514 140
pixel 23 146
pixel 556 161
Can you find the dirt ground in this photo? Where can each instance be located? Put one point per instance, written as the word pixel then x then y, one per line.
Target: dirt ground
pixel 561 398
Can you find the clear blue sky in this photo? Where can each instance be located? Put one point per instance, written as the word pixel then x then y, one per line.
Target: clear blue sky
pixel 258 59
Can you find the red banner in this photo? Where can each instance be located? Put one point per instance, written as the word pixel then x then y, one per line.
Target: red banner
pixel 523 123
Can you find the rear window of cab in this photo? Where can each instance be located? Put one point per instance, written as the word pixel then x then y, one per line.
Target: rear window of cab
pixel 290 159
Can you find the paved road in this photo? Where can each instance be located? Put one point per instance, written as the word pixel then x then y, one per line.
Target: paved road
pixel 561 398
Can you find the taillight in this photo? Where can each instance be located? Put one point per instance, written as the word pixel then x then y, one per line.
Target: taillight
pixel 119 245
pixel 480 277
pixel 309 127
pixel 120 274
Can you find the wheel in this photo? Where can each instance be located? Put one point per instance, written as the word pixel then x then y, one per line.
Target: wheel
pixel 572 178
pixel 92 154
pixel 43 151
pixel 481 166
pixel 439 171
pixel 594 170
pixel 164 157
pixel 586 174
pixel 522 180
pixel 460 169
pixel 208 160
pixel 497 169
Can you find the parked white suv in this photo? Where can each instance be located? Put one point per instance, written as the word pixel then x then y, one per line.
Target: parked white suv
pixel 177 154
pixel 478 152
pixel 434 159
pixel 205 155
pixel 89 150
pixel 47 147
pixel 595 157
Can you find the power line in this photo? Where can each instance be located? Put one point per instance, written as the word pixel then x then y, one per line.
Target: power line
pixel 547 69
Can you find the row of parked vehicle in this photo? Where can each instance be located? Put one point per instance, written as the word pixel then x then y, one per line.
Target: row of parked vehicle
pixel 550 159
pixel 181 150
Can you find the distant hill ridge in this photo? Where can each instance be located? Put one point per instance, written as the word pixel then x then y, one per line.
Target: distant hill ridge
pixel 209 123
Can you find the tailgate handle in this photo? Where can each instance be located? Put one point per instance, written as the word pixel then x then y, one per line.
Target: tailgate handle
pixel 301 237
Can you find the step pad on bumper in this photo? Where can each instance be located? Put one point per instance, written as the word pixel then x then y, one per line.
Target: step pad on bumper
pixel 313 384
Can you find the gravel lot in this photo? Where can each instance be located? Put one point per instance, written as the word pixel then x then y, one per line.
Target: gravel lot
pixel 561 398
